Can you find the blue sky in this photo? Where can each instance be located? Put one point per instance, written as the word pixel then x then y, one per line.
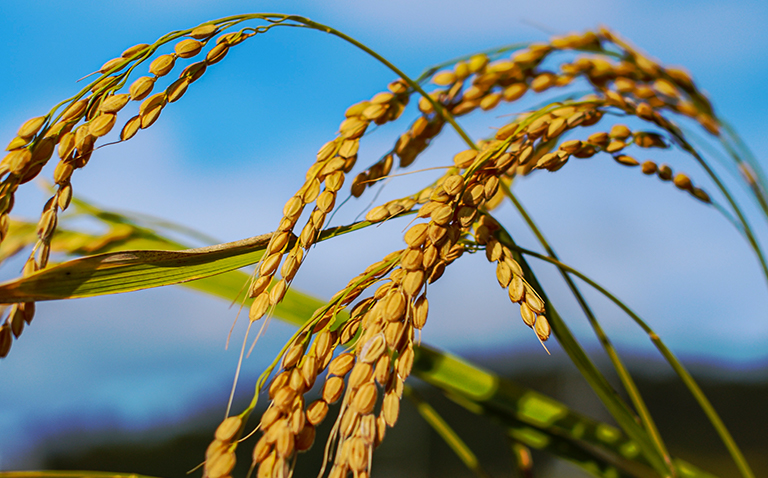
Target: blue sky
pixel 226 157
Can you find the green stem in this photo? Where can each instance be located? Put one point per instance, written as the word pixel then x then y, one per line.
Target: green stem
pixel 612 401
pixel 678 367
pixel 623 373
pixel 441 427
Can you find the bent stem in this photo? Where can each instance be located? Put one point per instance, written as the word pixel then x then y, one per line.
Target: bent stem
pixel 678 367
pixel 621 370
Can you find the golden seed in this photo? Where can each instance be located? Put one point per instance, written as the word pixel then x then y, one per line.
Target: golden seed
pixel 280 381
pixel 131 128
pixel 188 48
pixel 394 306
pixel 65 197
pixel 177 89
pixel 194 71
pixel 149 116
pixel 444 78
pixel 284 398
pixel 390 409
pixel 293 207
pixel 142 87
pixel 543 82
pixel 215 449
pixel 435 232
pixel 334 181
pixel 267 467
pixel 412 260
pixel 615 146
pixel 134 50
pixel 66 145
pixel 102 124
pixel 284 443
pixel 358 184
pixel 701 195
pixel 600 139
pixel 162 65
pixel 17 160
pixel 114 103
pixel 259 285
pixel 649 140
pixel 405 363
pixel 491 187
pixel 453 184
pixel 556 128
pixel 365 398
pixel 203 31
pixel 682 181
pixel 514 91
pixel 228 428
pixel 325 201
pixel 516 288
pixel 413 282
pixel 373 349
pixel 342 364
pixel 17 143
pixel 533 301
pixel 377 214
pixel 381 373
pixel 626 160
pixel 503 274
pixel 664 172
pixel 644 110
pixel 317 411
pixel 31 127
pixel 542 328
pixel 648 167
pixel 443 214
pixel 75 110
pixel 528 315
pixel 63 172
pixel 259 307
pixel 305 438
pixel 220 466
pixel 465 159
pixel 416 235
pixel 217 53
pixel 493 250
pixel 352 128
pixel 490 101
pixel 361 373
pixel 620 131
pixel 261 450
pixel 111 64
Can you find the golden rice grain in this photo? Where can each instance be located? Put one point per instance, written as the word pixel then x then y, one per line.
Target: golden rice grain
pixel 111 64
pixel 31 127
pixel 626 160
pixel 142 87
pixel 226 431
pixel 135 50
pixel 74 111
pixel 203 31
pixel 130 129
pixel 177 89
pixel 259 307
pixel 664 172
pixel 542 328
pixel 188 48
pixel 162 65
pixel 682 181
pixel 390 408
pixel 342 364
pixel 217 53
pixel 220 466
pixel 114 103
pixel 317 411
pixel 444 78
pixel 365 398
pixel 102 124
pixel 527 314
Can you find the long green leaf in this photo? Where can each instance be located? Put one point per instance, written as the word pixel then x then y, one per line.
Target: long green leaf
pixel 128 271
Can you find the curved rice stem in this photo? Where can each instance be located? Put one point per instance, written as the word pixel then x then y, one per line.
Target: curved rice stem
pixel 678 367
pixel 448 434
pixel 621 370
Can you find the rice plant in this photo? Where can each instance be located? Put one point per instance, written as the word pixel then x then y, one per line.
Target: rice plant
pixel 359 347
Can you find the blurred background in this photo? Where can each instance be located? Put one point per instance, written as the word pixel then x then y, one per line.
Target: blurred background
pixel 137 382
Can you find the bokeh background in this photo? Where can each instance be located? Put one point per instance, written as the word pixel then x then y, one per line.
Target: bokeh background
pixel 150 370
